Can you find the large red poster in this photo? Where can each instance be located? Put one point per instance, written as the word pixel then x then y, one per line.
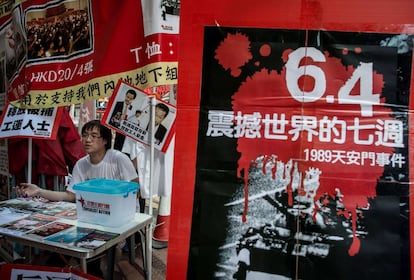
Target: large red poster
pixel 302 164
pixel 57 53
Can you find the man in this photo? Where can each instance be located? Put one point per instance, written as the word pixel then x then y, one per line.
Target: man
pixel 161 112
pixel 136 118
pixel 122 108
pixel 121 112
pixel 101 162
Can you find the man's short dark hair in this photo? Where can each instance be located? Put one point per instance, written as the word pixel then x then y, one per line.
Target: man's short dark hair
pixel 131 91
pixel 105 132
pixel 163 107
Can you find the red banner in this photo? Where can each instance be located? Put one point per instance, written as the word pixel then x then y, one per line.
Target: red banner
pixel 61 53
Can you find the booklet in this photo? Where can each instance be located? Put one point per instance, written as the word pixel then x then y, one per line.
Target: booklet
pixel 70 236
pixel 8 215
pixel 95 239
pixel 56 208
pixel 40 205
pixel 27 204
pixel 49 229
pixel 26 224
pixel 68 214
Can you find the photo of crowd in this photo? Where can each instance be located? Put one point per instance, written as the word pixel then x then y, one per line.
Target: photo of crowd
pixel 59 31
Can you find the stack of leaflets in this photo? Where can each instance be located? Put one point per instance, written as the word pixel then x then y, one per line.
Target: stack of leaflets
pixel 39 218
pixel 62 209
pixel 70 236
pixel 8 215
pixel 26 224
pixel 82 237
pixel 49 229
pixel 95 239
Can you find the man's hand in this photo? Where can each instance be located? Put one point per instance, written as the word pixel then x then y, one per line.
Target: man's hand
pixel 27 190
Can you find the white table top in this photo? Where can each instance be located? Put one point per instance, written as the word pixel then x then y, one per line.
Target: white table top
pixel 139 222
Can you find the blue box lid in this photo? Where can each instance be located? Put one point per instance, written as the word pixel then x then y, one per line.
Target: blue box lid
pixel 105 186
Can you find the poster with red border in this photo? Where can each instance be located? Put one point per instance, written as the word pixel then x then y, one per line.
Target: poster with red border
pixel 23 271
pixel 129 113
pixel 238 162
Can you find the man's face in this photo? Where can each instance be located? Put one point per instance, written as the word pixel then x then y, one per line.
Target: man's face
pixel 92 141
pixel 129 97
pixel 159 115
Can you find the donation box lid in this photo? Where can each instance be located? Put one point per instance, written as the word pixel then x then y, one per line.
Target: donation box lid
pixel 106 186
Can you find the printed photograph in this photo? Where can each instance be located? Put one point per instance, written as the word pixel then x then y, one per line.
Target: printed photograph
pixel 14 48
pixel 60 31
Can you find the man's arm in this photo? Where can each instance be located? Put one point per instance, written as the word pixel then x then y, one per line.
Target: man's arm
pixel 29 190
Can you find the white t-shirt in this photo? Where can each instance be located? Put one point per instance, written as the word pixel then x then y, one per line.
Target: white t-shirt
pixel 114 166
pixel 163 167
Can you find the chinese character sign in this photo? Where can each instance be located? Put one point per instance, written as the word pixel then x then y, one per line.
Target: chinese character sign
pixel 32 123
pixel 302 161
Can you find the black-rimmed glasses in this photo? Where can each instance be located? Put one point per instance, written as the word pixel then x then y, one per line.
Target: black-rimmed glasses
pixel 91 136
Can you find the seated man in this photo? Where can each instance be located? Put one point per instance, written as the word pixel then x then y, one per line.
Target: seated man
pixel 101 162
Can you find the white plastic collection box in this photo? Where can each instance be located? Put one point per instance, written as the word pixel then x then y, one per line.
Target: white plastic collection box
pixel 105 202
